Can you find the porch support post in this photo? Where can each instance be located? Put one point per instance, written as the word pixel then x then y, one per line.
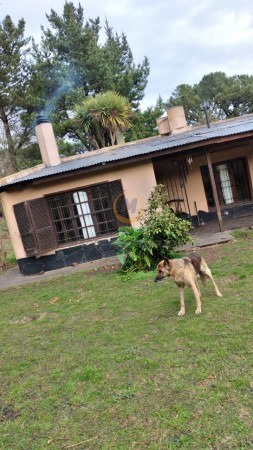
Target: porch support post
pixel 214 189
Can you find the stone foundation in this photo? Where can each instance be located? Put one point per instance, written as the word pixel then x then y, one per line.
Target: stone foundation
pixel 68 256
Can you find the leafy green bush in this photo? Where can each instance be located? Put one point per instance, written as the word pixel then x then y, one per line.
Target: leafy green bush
pixel 160 232
pixel 136 249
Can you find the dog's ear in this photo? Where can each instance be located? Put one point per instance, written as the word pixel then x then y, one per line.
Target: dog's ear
pixel 166 263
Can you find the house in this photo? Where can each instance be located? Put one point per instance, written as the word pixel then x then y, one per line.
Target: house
pixel 68 210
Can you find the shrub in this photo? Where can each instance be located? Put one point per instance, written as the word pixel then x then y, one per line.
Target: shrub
pixel 136 249
pixel 160 232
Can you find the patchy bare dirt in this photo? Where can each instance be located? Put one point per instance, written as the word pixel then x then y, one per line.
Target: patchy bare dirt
pixel 28 319
pixel 103 269
pixel 209 380
pixel 213 252
pixel 210 253
pixel 7 413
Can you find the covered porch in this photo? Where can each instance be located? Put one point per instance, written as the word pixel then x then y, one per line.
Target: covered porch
pixel 213 186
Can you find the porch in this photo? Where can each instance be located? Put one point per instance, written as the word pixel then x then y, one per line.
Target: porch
pixel 212 186
pixel 233 219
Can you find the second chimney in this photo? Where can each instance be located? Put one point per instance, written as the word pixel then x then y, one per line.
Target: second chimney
pixel 47 143
pixel 177 120
pixel 174 123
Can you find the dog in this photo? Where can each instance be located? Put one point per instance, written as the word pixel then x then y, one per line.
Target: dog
pixel 184 272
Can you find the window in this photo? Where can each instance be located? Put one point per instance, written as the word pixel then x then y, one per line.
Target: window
pixel 231 181
pixel 48 222
pixel 85 213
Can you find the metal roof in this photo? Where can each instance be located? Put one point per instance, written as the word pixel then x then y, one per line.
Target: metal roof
pixel 151 146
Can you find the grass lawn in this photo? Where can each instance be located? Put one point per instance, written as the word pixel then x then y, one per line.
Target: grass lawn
pixel 101 361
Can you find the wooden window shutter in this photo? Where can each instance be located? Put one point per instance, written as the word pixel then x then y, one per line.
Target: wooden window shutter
pixel 25 229
pixel 42 225
pixel 119 204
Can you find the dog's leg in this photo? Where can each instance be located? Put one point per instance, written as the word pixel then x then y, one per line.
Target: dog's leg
pixel 182 305
pixel 197 285
pixel 208 274
pixel 202 279
pixel 197 298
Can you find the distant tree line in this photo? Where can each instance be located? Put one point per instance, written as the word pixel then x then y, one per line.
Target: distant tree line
pixel 228 96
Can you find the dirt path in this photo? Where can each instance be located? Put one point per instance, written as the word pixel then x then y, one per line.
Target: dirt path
pixel 13 277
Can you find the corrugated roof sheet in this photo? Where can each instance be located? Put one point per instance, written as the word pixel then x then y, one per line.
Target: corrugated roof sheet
pixel 150 146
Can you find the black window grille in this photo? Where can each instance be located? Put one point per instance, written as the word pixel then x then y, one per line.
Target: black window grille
pixel 83 214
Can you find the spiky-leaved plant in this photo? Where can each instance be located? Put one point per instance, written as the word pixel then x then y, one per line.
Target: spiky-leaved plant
pixel 102 116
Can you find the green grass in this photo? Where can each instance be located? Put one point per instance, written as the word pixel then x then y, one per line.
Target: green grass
pixel 109 365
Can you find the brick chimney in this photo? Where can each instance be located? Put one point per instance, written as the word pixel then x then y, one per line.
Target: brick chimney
pixel 46 140
pixel 174 123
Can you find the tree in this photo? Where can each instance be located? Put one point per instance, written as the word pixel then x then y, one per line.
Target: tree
pixel 102 117
pixel 187 96
pixel 144 122
pixel 228 96
pixel 15 98
pixel 72 65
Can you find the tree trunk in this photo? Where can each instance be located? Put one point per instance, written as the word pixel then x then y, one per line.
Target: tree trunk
pixel 11 152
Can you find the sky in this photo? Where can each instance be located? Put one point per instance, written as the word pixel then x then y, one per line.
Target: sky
pixel 183 39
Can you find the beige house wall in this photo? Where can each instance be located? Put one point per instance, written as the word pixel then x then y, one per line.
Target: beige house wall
pixel 138 180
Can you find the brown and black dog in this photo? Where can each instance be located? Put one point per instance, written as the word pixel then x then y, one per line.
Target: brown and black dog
pixel 185 272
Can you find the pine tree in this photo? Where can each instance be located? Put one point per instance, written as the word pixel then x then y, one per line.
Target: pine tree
pixel 14 89
pixel 72 65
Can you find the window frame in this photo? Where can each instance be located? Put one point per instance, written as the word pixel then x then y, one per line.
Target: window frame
pixel 232 184
pixel 73 217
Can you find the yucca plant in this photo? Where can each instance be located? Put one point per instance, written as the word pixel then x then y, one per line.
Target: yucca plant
pixel 101 117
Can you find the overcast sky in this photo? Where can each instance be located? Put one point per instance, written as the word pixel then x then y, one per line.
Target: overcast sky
pixel 183 39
